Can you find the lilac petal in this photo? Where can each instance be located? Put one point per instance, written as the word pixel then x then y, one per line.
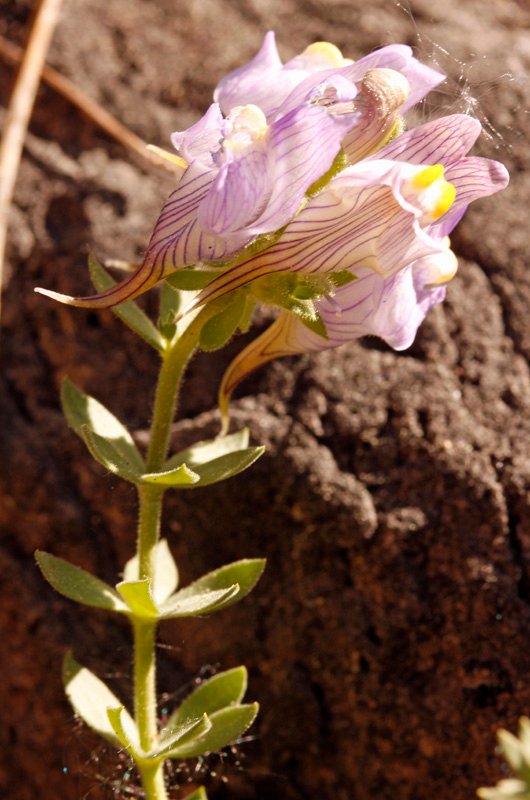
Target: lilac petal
pixel 238 193
pixel 472 178
pixel 262 191
pixel 442 141
pixel 178 239
pixel 391 308
pixel 256 82
pixel 202 139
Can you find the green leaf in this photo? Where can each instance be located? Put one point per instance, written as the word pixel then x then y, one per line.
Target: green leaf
pixel 228 725
pixel 178 477
pixel 110 457
pixel 202 452
pixel 198 603
pixel 91 698
pixel 170 303
pixel 226 466
pixel 192 280
pixel 124 728
pixel 244 574
pixel 166 573
pixel 83 411
pixel 189 731
pixel 129 312
pixel 77 584
pixel 223 690
pixel 139 599
pixel 198 794
pixel 221 327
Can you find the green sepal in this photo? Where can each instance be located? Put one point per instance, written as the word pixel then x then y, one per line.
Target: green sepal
pixel 84 413
pixel 246 317
pixel 198 794
pixel 192 280
pixel 341 278
pixel 137 595
pixel 316 325
pixel 185 733
pixel 340 162
pixel 129 312
pixel 221 327
pixel 104 451
pixel 170 304
pixel 198 603
pixel 227 725
pixel 218 459
pixel 124 727
pixel 90 699
pixel 77 584
pixel 223 690
pixel 242 574
pixel 179 477
pixel 166 576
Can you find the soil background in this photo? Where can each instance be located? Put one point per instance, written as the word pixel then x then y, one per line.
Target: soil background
pixel 388 639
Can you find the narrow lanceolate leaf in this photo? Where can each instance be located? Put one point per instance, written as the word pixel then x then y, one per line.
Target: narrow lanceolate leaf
pixel 83 411
pixel 200 602
pixel 129 312
pixel 245 574
pixel 91 698
pixel 217 459
pixel 181 735
pixel 221 327
pixel 109 456
pixel 178 477
pixel 228 725
pixel 223 690
pixel 226 466
pixel 77 584
pixel 202 452
pixel 139 599
pixel 124 728
pixel 166 576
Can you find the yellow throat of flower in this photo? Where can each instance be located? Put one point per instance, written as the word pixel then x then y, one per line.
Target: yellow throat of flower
pixel 433 192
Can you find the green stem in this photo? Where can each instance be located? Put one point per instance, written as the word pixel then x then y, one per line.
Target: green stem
pixel 174 362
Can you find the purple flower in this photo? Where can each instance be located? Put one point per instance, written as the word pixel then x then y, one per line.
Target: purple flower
pixel 384 212
pixel 386 220
pixel 248 172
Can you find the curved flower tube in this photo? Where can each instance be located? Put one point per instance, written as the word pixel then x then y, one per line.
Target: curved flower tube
pixel 391 308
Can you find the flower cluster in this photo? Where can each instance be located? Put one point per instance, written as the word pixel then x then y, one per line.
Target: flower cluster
pixel 301 187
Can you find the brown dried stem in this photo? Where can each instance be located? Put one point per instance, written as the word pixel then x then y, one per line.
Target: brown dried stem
pixel 20 107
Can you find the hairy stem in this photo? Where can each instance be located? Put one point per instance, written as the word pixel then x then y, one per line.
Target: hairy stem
pixel 174 362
